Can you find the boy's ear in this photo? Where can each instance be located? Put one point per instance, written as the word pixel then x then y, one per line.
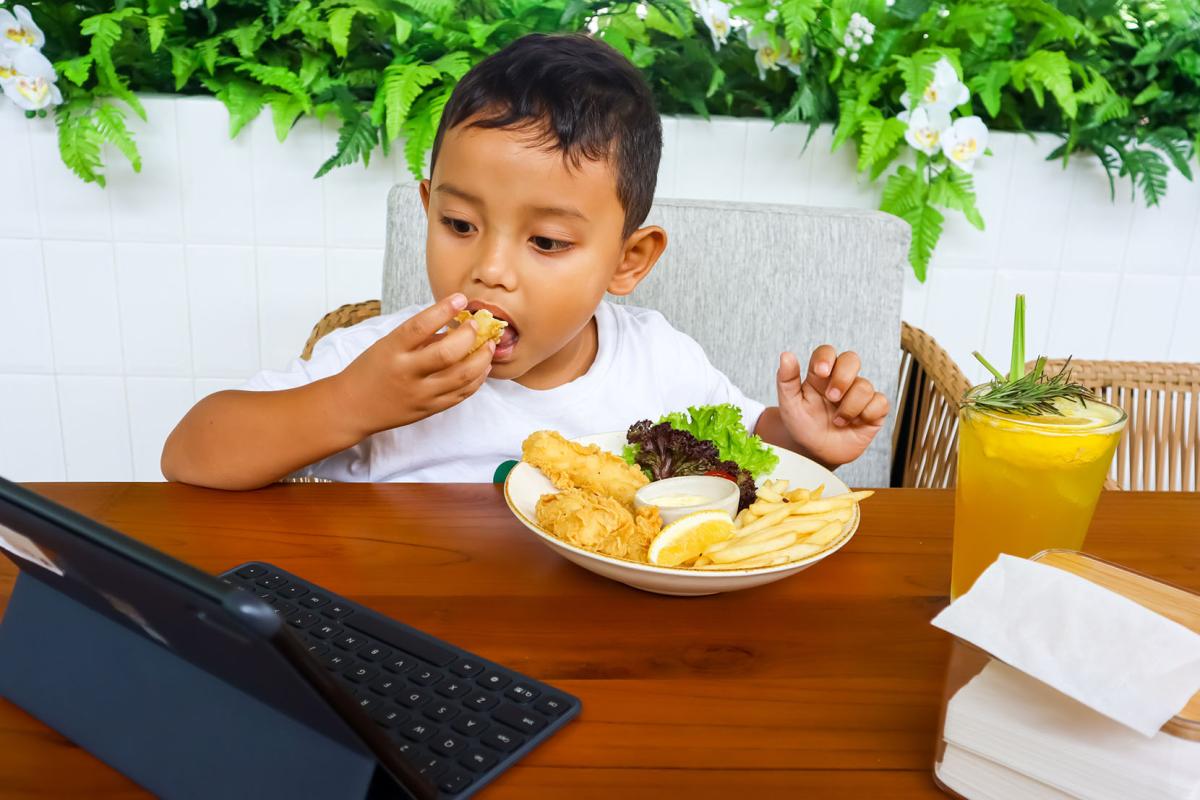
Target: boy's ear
pixel 425 195
pixel 641 253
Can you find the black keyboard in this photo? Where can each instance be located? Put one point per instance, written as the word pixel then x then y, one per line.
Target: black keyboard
pixel 459 719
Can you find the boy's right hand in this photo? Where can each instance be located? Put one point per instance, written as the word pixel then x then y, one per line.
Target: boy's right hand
pixel 415 372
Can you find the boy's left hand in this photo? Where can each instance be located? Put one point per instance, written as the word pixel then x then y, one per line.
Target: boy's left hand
pixel 833 413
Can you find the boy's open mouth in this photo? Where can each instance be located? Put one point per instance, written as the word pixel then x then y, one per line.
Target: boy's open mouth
pixel 510 335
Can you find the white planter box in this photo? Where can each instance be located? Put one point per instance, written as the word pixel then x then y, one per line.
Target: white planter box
pixel 120 307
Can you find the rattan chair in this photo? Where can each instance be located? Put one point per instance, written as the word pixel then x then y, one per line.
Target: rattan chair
pixel 1160 448
pixel 925 437
pixel 341 317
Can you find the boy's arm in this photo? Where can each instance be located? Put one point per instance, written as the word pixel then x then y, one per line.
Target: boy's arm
pixel 244 440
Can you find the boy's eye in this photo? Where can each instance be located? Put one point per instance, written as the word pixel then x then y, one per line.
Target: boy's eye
pixel 548 245
pixel 459 226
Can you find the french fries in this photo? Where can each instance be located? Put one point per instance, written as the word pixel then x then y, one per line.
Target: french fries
pixel 783 525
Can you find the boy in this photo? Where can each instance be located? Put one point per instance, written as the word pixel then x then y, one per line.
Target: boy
pixel 543 171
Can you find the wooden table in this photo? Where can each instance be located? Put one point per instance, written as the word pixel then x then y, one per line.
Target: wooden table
pixel 824 685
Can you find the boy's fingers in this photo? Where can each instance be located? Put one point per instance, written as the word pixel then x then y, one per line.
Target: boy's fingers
pixel 876 410
pixel 422 326
pixel 788 376
pixel 820 366
pixel 845 370
pixel 445 351
pixel 465 371
pixel 857 397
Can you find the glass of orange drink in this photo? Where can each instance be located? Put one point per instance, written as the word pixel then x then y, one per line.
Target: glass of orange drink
pixel 1033 452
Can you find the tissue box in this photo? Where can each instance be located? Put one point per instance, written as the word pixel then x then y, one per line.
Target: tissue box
pixel 1004 735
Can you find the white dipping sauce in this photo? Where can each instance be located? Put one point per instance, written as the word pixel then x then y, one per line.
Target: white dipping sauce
pixel 678 500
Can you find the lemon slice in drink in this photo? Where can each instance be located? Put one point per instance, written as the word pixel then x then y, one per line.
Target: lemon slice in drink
pixel 688 537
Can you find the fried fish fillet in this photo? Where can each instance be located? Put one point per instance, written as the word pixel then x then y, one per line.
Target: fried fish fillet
pixel 599 523
pixel 568 464
pixel 486 326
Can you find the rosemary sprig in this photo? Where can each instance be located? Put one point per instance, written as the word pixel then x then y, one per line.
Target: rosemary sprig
pixel 1032 393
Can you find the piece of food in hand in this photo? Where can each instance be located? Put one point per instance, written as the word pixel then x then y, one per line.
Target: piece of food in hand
pixel 599 523
pixel 687 538
pixel 572 465
pixel 666 452
pixel 487 327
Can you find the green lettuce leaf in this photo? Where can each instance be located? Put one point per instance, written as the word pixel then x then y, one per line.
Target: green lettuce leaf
pixel 722 425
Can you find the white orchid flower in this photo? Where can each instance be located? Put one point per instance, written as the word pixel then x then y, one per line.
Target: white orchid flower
pixel 715 14
pixel 19 31
pixel 29 80
pixel 925 128
pixel 768 54
pixel 945 91
pixel 964 142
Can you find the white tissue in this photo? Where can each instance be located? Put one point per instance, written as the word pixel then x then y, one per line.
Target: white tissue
pixel 1096 646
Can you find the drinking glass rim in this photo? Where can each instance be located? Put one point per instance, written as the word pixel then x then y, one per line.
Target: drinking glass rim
pixel 1033 423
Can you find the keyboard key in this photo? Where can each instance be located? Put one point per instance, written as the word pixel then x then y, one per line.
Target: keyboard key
pixel 401 639
pixel 314 601
pixel 470 724
pixel 360 673
pixel 481 701
pixel 494 681
pixel 272 581
pixel 418 731
pixel 503 740
pixel 326 630
pixel 318 649
pixel 432 768
pixel 367 703
pixel 454 781
pixel 519 718
pixel 441 712
pixel 337 661
pixel 447 745
pixel 269 598
pixel 386 685
pixel 374 652
pixel 452 688
pixel 292 592
pixel 389 716
pixel 302 619
pixel 522 693
pixel 337 611
pixel 551 706
pixel 412 698
pixel 478 760
pixel 400 664
pixel 283 609
pixel 466 668
pixel 252 571
pixel 348 641
pixel 425 677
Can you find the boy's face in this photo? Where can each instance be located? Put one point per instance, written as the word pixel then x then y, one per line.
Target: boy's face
pixel 535 240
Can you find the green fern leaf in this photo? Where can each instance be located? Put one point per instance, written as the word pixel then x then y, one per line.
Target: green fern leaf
pixel 79 142
pixel 156 29
pixel 105 31
pixel 880 137
pixel 340 21
pixel 987 85
pixel 1146 95
pixel 247 38
pixel 433 9
pixel 917 72
pixel 274 9
pixel 404 28
pixel 243 100
pixel 208 53
pixel 903 192
pixel 76 69
pixel 455 64
pixel 356 139
pixel 110 123
pixel 402 84
pixel 420 130
pixel 848 120
pixel 926 222
pixel 798 16
pixel 1148 171
pixel 278 78
pixel 1174 143
pixel 285 109
pixel 954 188
pixel 183 63
pixel 1052 70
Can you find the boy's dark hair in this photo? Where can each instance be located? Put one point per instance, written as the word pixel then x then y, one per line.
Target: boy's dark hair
pixel 590 101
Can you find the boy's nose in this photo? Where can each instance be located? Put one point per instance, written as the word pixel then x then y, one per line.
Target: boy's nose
pixel 494 268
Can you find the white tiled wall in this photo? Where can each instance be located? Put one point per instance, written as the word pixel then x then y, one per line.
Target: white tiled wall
pixel 121 307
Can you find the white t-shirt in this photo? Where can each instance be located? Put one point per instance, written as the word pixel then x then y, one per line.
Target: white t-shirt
pixel 644 368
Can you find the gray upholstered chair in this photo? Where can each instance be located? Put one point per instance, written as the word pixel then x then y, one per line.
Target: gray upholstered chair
pixel 747 282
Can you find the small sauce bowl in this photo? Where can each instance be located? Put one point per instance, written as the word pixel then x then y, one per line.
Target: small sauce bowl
pixel 678 497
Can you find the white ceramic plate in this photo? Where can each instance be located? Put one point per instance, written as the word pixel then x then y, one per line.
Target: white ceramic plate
pixel 526 484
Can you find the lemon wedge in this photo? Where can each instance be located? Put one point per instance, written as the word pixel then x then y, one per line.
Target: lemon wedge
pixel 688 537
